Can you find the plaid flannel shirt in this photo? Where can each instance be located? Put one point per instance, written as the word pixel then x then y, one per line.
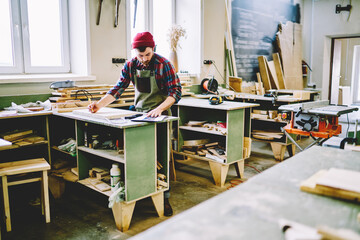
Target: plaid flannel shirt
pixel 165 75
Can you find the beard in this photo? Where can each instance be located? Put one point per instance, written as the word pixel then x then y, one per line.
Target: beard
pixel 145 63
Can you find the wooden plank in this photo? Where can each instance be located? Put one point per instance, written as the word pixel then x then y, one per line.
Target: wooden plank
pixel 272 74
pixel 290 42
pixel 279 71
pixel 25 166
pixel 310 185
pixel 264 72
pixel 341 179
pixel 105 113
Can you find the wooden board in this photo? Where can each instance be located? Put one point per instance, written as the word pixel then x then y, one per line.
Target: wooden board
pixel 290 44
pixel 311 185
pixel 341 179
pixel 272 73
pixel 279 71
pixel 264 72
pixel 105 113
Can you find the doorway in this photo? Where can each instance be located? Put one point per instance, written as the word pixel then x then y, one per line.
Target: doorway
pixel 344 71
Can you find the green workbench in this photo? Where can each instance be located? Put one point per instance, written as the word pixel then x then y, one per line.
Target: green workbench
pixel 252 210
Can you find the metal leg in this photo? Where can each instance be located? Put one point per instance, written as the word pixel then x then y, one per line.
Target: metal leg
pixel 291 139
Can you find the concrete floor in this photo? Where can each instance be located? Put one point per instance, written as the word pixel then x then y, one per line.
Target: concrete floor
pixel 83 214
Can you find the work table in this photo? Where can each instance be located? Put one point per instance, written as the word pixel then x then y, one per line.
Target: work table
pixel 252 210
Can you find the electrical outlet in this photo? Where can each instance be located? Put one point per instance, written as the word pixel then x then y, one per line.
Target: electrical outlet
pixel 118 60
pixel 208 61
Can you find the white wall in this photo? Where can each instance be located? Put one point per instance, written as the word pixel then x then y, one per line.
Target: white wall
pixel 317 36
pixel 213 38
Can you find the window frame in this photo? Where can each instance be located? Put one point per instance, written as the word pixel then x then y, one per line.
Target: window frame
pixel 148 22
pixel 21 46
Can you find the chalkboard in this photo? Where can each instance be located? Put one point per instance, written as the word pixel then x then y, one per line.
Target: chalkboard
pixel 254 26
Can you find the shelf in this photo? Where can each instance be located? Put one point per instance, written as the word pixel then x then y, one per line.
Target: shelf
pixel 15 146
pixel 201 129
pixel 196 157
pixel 87 184
pixel 59 150
pixel 269 120
pixel 105 153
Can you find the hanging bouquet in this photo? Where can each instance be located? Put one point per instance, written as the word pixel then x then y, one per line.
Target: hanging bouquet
pixel 175 33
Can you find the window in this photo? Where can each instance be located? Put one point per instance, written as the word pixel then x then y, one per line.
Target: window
pixel 155 16
pixel 34 36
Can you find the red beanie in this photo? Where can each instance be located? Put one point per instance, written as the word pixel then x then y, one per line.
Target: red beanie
pixel 144 39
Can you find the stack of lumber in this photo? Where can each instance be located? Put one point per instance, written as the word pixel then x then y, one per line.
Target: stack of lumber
pixel 161 181
pixel 20 138
pixel 206 127
pixel 285 70
pixel 265 114
pixel 69 99
pixel 271 74
pixel 186 83
pixel 205 148
pixel 266 135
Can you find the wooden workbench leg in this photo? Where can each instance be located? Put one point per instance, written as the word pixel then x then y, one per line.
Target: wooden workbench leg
pixel 291 149
pixel 219 172
pixel 6 203
pixel 122 214
pixel 158 200
pixel 239 167
pixel 278 150
pixel 45 196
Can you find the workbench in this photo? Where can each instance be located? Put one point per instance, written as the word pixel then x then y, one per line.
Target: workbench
pixel 278 145
pixel 235 137
pixel 145 145
pixel 252 210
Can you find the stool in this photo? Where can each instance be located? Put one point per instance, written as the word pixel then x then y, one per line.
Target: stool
pixel 20 167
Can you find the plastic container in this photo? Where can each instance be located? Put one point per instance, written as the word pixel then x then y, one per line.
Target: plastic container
pixel 114 176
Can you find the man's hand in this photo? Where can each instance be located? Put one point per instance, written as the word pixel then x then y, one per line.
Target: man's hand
pixel 103 102
pixel 93 107
pixel 155 112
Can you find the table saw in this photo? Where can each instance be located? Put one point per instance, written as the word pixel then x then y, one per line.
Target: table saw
pixel 318 120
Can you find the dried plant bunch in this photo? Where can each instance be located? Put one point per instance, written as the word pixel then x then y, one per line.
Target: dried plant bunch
pixel 175 33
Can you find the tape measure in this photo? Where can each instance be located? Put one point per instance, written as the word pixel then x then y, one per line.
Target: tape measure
pixel 215 100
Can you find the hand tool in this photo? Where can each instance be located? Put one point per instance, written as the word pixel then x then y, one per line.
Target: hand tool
pixel 117 5
pixel 99 12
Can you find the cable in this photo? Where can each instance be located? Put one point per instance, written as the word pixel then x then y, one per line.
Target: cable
pixel 223 77
pixel 234 183
pixel 253 168
pixel 86 93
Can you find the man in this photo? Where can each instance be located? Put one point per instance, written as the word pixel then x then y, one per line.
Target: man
pixel 157 86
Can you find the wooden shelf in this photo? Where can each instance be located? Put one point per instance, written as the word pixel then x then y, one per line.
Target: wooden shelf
pixel 59 150
pixel 87 184
pixel 15 146
pixel 269 120
pixel 105 153
pixel 201 129
pixel 197 157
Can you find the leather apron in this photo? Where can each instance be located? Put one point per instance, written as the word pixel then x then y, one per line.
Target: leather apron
pixel 147 93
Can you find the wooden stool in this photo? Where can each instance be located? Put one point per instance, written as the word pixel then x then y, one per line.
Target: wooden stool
pixel 20 167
